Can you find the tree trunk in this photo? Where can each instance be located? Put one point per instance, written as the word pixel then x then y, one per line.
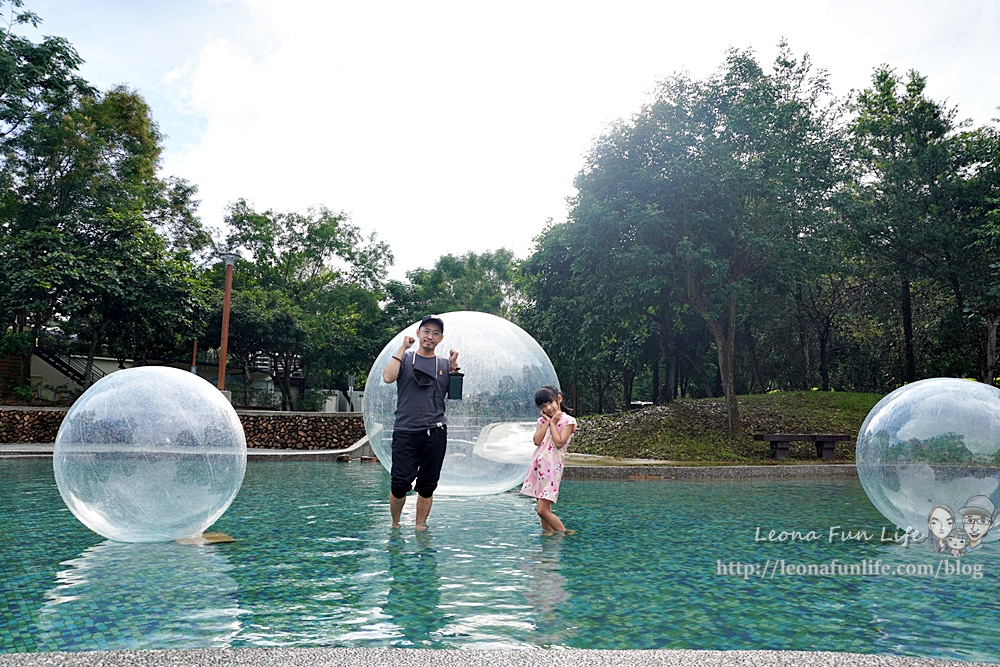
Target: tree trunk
pixel 824 370
pixel 803 340
pixel 910 372
pixel 656 380
pixel 26 366
pixel 992 321
pixel 758 383
pixel 668 349
pixel 673 363
pixel 628 375
pixel 724 330
pixel 91 353
pixel 702 376
pixel 247 380
pixel 21 325
pixel 288 392
pixel 280 363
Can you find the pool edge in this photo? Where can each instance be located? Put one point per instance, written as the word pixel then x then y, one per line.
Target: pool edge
pixel 376 657
pixel 646 471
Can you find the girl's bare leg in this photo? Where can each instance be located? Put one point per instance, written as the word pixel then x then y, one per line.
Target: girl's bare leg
pixel 548 517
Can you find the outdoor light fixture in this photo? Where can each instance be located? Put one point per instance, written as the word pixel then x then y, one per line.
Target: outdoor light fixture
pixel 230 259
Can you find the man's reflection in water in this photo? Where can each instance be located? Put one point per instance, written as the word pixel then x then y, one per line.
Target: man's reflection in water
pixel 546 592
pixel 414 593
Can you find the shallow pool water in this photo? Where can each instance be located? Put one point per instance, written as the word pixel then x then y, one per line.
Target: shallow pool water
pixel 655 564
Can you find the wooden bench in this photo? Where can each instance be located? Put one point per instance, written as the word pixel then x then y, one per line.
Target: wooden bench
pixel 825 442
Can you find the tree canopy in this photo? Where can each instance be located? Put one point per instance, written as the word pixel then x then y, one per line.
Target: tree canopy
pixel 740 233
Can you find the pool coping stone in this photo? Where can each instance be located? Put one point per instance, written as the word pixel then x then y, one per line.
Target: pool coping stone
pixel 579 466
pixel 377 657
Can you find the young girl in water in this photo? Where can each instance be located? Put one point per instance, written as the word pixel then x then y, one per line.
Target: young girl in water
pixel 552 435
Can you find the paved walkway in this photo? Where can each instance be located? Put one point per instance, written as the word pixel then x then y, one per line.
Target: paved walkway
pixel 578 466
pixel 573 459
pixel 463 658
pixel 42 450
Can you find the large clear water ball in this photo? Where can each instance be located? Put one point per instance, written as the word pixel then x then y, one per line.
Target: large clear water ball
pixel 490 428
pixel 928 454
pixel 150 454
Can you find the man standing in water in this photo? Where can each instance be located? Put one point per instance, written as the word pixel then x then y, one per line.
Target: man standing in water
pixel 420 432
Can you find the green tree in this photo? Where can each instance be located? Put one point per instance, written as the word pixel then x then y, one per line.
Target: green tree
pixel 700 189
pixel 35 78
pixel 318 281
pixel 485 283
pixel 902 157
pixel 82 249
pixel 551 311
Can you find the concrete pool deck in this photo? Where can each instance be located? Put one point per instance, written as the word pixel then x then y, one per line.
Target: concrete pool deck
pixel 324 657
pixel 578 466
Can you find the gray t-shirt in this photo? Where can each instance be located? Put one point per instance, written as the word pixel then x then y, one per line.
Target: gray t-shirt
pixel 417 407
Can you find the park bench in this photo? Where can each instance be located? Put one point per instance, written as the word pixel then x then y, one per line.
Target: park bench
pixel 825 442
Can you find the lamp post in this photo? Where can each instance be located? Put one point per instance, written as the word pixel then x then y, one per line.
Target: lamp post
pixel 230 258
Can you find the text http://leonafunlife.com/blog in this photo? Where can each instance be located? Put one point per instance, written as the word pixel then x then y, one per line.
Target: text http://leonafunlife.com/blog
pixel 779 567
pixel 773 568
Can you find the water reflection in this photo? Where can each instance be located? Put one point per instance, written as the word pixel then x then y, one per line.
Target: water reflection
pixel 131 596
pixel 414 596
pixel 313 567
pixel 546 592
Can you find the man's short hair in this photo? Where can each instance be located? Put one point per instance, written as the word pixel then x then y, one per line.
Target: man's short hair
pixel 432 319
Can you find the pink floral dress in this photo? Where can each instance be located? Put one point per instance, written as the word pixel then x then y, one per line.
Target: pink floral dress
pixel 547 465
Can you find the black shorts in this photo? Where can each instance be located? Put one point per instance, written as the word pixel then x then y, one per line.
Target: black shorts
pixel 418 455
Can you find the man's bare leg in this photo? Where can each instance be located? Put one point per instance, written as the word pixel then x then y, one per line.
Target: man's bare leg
pixel 396 508
pixel 423 510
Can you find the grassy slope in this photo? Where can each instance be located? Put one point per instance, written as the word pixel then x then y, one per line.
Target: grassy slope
pixel 694 430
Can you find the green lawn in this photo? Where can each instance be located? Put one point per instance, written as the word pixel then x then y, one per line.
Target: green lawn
pixel 693 431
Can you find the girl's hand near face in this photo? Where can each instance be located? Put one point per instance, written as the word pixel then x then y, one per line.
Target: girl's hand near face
pixel 559 439
pixel 540 430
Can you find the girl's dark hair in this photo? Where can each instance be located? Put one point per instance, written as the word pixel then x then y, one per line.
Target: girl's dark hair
pixel 547 394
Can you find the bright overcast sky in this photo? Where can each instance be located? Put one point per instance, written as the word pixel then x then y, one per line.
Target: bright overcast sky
pixel 447 127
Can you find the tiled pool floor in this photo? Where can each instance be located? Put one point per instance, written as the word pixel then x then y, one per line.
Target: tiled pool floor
pixel 315 565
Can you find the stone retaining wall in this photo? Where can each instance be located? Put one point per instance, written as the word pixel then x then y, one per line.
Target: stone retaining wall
pixel 302 430
pixel 19 425
pixel 264 430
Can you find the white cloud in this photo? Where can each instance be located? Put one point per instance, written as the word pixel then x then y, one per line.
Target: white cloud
pixel 455 126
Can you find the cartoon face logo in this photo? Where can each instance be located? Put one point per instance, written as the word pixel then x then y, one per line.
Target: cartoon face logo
pixel 978 517
pixel 957 541
pixel 940 522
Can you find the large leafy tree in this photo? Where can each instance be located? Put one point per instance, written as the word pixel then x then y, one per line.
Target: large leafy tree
pixel 485 283
pixel 81 205
pixel 81 246
pixel 901 150
pixel 311 287
pixel 35 78
pixel 698 192
pixel 552 311
pixel 982 207
pixel 918 208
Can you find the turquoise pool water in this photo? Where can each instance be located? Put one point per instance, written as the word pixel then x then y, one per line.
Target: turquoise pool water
pixel 655 564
